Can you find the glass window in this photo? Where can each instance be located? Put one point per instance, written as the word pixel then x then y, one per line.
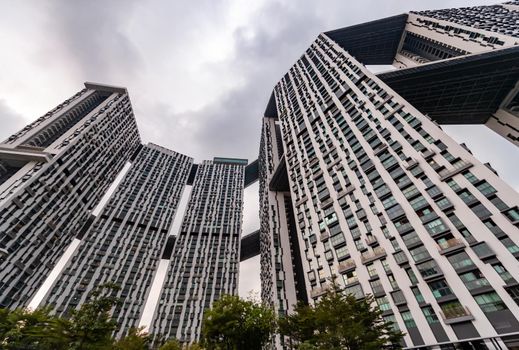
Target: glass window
pixel 419 253
pixel 408 319
pixel 440 289
pixel 383 303
pixel 474 279
pixel 342 252
pixel 435 226
pixel 392 321
pixel 460 260
pixel 512 214
pixel 430 315
pixel 490 302
pixel 503 273
pixel 411 275
pixel 389 202
pixel 510 245
pixel 429 268
pixel 482 250
pixel 418 295
pixel 486 189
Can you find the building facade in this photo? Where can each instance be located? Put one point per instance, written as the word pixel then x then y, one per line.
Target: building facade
pixel 124 243
pixel 384 201
pixel 205 259
pixel 53 173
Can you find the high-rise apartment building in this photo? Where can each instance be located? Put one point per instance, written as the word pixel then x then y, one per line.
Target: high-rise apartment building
pixel 52 174
pixel 124 243
pixel 383 201
pixel 205 258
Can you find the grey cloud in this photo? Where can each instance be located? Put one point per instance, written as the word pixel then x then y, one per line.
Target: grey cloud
pixel 11 121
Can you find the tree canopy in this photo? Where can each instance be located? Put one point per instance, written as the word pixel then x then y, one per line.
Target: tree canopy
pixel 237 324
pixel 339 322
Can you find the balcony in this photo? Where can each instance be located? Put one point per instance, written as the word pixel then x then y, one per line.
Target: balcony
pixel 458 168
pixel 410 164
pixel 371 240
pixel 456 314
pixel 450 246
pixel 319 291
pixel 377 253
pixel 346 266
pixel 324 236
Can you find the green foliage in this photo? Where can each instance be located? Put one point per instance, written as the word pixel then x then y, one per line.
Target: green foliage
pixel 174 344
pixel 23 329
pixel 237 324
pixel 338 322
pixel 91 326
pixel 171 344
pixel 136 339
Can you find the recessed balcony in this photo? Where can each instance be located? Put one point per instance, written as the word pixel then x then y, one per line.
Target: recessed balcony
pixel 450 245
pixel 456 315
pixel 346 266
pixel 377 253
pixel 319 291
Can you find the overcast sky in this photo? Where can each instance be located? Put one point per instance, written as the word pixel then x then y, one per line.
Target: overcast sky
pixel 199 73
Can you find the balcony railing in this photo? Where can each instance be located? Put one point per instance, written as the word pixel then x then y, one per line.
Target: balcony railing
pixel 450 245
pixel 458 167
pixel 371 240
pixel 456 314
pixel 324 236
pixel 346 266
pixel 318 291
pixel 377 253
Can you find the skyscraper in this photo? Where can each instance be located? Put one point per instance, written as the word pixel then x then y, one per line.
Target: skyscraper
pixel 205 258
pixel 53 173
pixel 124 244
pixel 384 202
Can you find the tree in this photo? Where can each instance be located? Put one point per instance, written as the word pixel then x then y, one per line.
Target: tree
pixel 136 339
pixel 25 329
pixel 91 326
pixel 174 344
pixel 338 322
pixel 236 324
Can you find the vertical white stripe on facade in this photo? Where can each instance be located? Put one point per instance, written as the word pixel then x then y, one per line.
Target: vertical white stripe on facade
pixel 99 207
pixel 56 271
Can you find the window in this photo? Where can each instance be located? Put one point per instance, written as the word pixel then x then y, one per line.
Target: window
pixel 398 297
pixel 471 177
pixel 444 203
pixel 342 252
pixel 429 268
pixel 355 290
pixel 512 214
pixel 411 275
pixel 408 319
pixel 392 321
pixel 337 239
pixel 436 226
pixel 383 303
pixel 372 271
pixel 482 250
pixel 510 245
pixel 486 189
pixel 503 273
pixel 460 260
pixel 419 253
pixel 490 302
pixel 474 280
pixel 440 289
pixel 430 315
pixel 400 257
pixel 418 295
pixel 389 202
